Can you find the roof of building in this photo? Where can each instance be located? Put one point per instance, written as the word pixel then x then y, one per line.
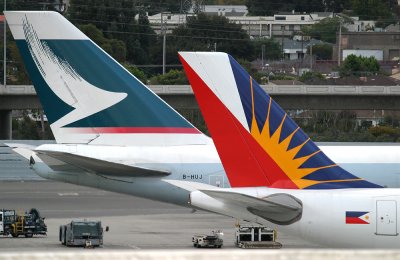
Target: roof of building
pixel 226 10
pixel 290 13
pixel 393 28
pixel 323 14
pixel 290 44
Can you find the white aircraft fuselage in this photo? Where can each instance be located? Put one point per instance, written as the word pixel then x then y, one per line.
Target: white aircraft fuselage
pixel 323 220
pixel 201 163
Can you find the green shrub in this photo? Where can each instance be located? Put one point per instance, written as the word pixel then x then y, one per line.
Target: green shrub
pixel 172 77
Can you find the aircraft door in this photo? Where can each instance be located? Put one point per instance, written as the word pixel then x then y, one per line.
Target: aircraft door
pixel 217 180
pixel 1 223
pixel 386 217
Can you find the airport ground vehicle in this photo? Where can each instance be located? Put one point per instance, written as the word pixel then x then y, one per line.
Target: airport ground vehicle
pixel 82 233
pixel 256 237
pixel 21 224
pixel 213 240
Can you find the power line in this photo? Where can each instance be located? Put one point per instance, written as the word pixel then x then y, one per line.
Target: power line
pixel 183 36
pixel 238 30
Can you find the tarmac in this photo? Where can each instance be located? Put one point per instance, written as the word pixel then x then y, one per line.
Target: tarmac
pixel 135 223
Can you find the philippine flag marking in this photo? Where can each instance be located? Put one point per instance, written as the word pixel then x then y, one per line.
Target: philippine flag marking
pixel 357 217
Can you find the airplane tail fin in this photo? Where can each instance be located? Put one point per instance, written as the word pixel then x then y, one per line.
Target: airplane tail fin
pixel 88 97
pixel 258 143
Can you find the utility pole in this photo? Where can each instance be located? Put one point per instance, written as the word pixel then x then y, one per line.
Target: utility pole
pixel 164 41
pixel 340 42
pixel 302 55
pixel 312 59
pixel 283 54
pixel 302 49
pixel 5 48
pixel 262 56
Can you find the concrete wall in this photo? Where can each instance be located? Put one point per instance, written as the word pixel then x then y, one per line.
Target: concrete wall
pixel 291 97
pixel 388 42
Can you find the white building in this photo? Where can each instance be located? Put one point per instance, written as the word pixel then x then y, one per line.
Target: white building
pixel 279 25
pixel 295 49
pixel 360 26
pixel 224 10
pixel 282 24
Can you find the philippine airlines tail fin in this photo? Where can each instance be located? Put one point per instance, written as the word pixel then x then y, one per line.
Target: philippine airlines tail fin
pixel 87 96
pixel 258 143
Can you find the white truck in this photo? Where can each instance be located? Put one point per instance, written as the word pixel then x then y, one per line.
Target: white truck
pixel 213 240
pixel 256 237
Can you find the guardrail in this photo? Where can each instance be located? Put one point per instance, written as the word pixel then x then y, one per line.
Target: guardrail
pixel 331 90
pixel 17 90
pixel 271 89
pixel 311 254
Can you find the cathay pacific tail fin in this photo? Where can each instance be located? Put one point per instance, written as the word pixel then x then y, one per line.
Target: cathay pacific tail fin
pixel 87 96
pixel 258 143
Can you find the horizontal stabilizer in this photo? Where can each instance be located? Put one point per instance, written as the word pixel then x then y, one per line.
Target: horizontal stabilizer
pixel 61 161
pixel 25 150
pixel 280 208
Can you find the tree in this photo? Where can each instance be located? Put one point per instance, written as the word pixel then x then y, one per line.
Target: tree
pixel 206 33
pixel 116 48
pixel 379 10
pixel 321 51
pixel 16 72
pixel 307 6
pixel 25 128
pixel 116 19
pixel 351 64
pixel 32 5
pixel 136 72
pixel 385 133
pixel 337 6
pixel 358 65
pixel 272 49
pixel 159 6
pixel 173 77
pixel 310 76
pixel 325 30
pixel 346 121
pixel 269 7
pixel 263 7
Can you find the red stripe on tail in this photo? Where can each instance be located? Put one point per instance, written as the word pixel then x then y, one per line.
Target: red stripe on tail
pixel 244 160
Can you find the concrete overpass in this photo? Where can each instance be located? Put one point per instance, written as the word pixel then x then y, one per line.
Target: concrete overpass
pixel 312 97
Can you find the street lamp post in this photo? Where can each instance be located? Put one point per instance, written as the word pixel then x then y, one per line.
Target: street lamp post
pixel 163 30
pixel 283 53
pixel 340 42
pixel 5 48
pixel 262 56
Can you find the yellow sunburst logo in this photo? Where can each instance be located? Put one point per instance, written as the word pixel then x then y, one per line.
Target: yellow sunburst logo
pixel 280 152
